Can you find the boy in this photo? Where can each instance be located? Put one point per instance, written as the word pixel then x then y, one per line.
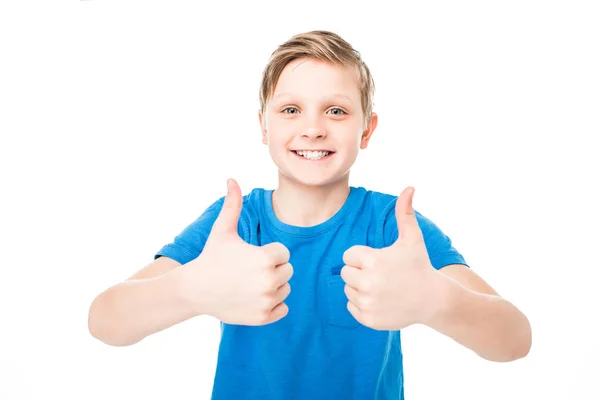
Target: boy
pixel 363 265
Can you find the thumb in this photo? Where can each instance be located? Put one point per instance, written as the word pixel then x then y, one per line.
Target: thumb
pixel 228 218
pixel 408 227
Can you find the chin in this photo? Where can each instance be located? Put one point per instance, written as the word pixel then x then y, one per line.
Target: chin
pixel 310 181
pixel 328 175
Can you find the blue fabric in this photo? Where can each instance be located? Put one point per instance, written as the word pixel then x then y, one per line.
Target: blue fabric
pixel 318 351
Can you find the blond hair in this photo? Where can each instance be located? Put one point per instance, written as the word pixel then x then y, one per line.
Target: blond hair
pixel 320 45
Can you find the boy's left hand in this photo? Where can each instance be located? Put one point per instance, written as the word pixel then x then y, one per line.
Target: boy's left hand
pixel 393 287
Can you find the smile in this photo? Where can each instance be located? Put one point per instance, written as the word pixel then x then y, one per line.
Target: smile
pixel 313 155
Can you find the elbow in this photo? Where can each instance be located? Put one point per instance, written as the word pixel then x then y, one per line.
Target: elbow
pixel 518 353
pixel 518 348
pixel 523 344
pixel 103 325
pixel 508 355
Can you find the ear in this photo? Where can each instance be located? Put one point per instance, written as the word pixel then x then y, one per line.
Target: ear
pixel 367 133
pixel 263 127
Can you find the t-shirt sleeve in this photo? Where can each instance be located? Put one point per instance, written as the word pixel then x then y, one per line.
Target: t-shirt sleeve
pixel 439 246
pixel 188 244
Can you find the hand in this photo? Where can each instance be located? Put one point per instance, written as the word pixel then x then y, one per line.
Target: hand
pixel 234 281
pixel 393 287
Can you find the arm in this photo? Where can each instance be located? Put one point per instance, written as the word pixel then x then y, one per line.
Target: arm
pixel 150 301
pixel 469 311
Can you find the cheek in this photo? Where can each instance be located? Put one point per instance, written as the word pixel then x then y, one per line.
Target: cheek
pixel 279 126
pixel 278 132
pixel 351 138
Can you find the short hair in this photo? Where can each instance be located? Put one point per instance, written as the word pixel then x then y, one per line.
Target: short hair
pixel 320 45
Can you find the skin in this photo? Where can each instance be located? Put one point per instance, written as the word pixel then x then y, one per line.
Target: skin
pixel 303 113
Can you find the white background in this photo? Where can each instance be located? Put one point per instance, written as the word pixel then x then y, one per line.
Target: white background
pixel 122 120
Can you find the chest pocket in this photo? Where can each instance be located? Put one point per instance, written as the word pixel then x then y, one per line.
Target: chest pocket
pixel 336 302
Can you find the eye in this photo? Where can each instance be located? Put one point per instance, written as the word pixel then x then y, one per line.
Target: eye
pixel 289 108
pixel 340 111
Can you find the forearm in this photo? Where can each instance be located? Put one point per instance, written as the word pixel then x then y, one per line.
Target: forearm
pixel 487 324
pixel 132 310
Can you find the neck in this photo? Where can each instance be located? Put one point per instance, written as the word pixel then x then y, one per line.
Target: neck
pixel 304 205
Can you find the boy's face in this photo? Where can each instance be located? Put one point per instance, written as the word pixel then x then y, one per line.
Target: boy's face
pixel 315 106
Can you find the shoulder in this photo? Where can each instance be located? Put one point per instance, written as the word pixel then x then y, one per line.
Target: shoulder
pixel 250 201
pixel 204 222
pixel 252 212
pixel 439 246
pixel 373 201
pixel 385 205
pixel 382 209
pixel 253 202
pixel 190 241
pixel 254 197
pixel 381 206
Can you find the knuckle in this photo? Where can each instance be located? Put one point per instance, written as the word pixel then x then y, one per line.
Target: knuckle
pixel 267 258
pixel 266 303
pixel 264 317
pixel 272 280
pixel 367 286
pixel 269 286
pixel 264 284
pixel 368 319
pixel 366 302
pixel 284 309
pixel 287 289
pixel 286 273
pixel 344 273
pixel 280 248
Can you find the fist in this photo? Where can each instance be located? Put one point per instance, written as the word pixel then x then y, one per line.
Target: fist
pixel 393 287
pixel 234 281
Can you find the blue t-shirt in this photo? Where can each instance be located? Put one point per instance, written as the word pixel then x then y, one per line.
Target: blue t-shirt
pixel 318 351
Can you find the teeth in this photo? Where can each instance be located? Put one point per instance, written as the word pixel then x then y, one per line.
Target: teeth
pixel 312 155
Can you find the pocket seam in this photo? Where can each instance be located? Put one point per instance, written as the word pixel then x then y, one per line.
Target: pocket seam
pixel 333 312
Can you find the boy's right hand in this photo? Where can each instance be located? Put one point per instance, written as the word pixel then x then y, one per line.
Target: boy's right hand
pixel 234 281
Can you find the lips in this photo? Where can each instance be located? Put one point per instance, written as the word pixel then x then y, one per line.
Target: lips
pixel 330 151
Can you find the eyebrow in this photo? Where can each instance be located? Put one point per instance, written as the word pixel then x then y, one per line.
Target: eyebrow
pixel 336 95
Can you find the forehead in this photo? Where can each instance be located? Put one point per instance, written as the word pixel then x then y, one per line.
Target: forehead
pixel 308 77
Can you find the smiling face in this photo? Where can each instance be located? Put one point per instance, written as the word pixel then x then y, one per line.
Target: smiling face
pixel 316 105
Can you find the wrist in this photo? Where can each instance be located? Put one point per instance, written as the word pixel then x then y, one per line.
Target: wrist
pixel 187 281
pixel 441 301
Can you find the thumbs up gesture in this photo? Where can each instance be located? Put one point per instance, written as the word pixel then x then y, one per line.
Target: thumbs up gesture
pixel 234 281
pixel 393 287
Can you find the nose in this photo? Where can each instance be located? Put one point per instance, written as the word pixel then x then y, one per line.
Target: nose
pixel 313 128
pixel 313 133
